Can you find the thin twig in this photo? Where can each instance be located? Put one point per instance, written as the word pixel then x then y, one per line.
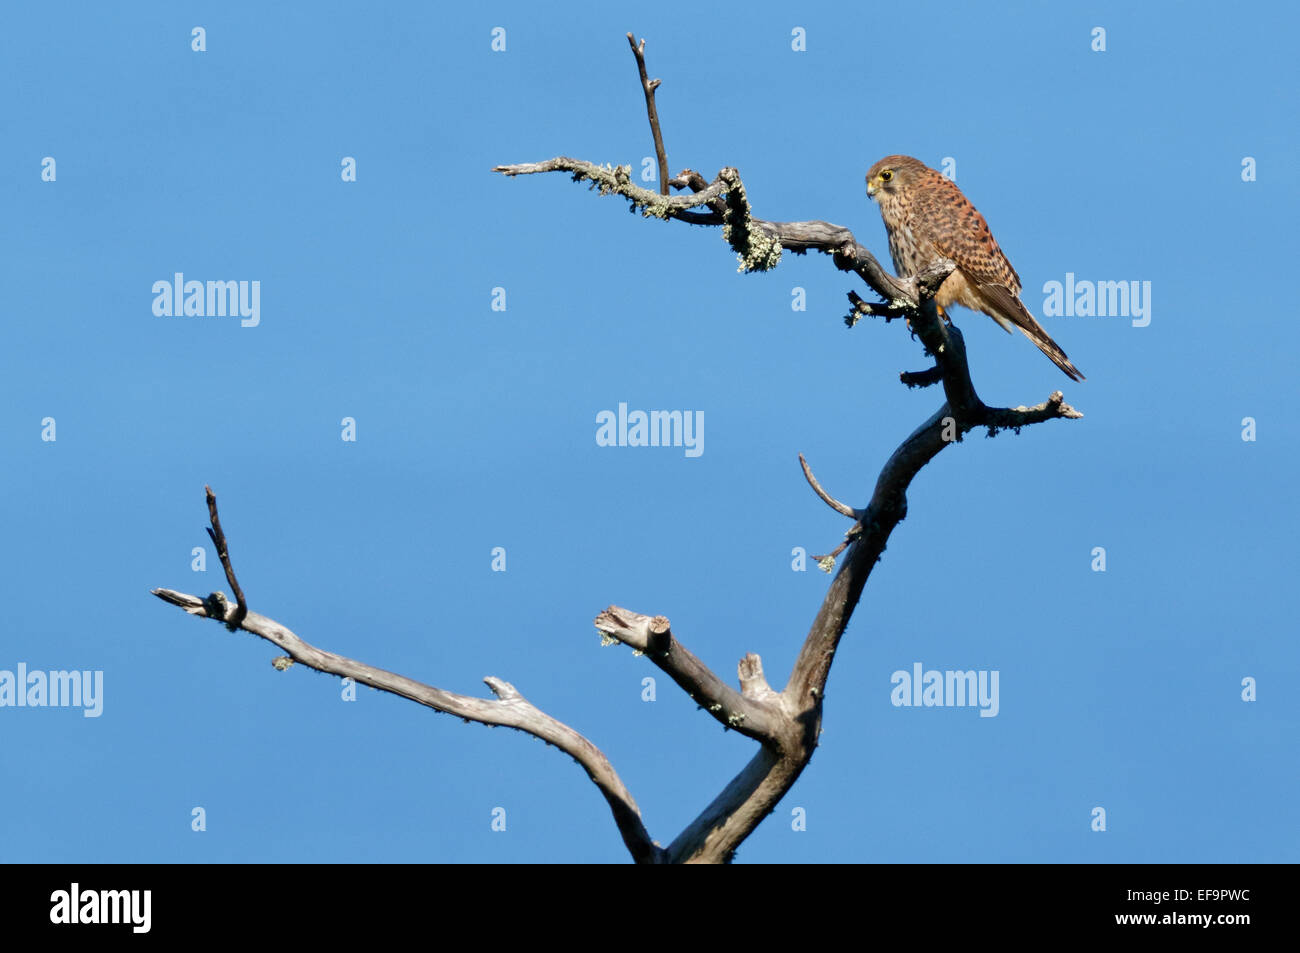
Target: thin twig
pixel 925 378
pixel 871 309
pixel 827 562
pixel 842 508
pixel 649 86
pixel 219 540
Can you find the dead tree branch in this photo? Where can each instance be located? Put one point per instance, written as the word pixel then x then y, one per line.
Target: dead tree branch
pixel 752 712
pixel 785 724
pixel 509 708
pixel 649 86
pixel 842 508
pixel 223 553
pixel 759 243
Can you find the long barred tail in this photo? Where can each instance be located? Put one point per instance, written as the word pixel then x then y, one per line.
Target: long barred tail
pixel 1008 309
pixel 1052 350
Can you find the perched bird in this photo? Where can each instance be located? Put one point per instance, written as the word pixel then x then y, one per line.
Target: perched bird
pixel 927 217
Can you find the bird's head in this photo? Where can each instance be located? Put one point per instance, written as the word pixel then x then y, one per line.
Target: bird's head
pixel 893 174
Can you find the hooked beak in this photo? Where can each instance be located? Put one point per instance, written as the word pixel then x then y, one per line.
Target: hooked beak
pixel 871 190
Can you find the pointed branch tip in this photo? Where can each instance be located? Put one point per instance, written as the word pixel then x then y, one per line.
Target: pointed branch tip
pixel 842 508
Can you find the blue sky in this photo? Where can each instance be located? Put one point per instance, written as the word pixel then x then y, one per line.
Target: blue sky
pixel 476 428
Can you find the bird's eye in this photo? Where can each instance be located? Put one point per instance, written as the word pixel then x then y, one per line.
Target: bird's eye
pixel 886 175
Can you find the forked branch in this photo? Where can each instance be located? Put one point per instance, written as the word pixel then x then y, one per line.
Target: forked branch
pixel 509 709
pixel 786 724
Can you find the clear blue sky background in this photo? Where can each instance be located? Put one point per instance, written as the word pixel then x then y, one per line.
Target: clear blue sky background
pixel 476 428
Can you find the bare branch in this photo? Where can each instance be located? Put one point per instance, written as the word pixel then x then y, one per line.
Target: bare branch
pixel 842 508
pixel 712 838
pixel 755 716
pixel 509 708
pixel 887 508
pixel 925 378
pixel 827 562
pixel 807 685
pixel 753 683
pixel 871 309
pixel 219 541
pixel 649 86
pixel 1015 418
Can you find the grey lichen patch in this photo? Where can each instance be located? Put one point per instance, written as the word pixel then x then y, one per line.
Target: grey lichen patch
pixel 826 563
pixel 217 605
pixel 608 179
pixel 607 639
pixel 660 209
pixel 281 663
pixel 715 707
pixel 735 719
pixel 764 253
pixel 617 180
pixel 754 248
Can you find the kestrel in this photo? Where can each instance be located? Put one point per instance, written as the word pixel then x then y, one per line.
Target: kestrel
pixel 927 217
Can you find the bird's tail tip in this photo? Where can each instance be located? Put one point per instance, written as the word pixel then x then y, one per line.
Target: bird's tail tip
pixel 1057 357
pixel 1071 371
